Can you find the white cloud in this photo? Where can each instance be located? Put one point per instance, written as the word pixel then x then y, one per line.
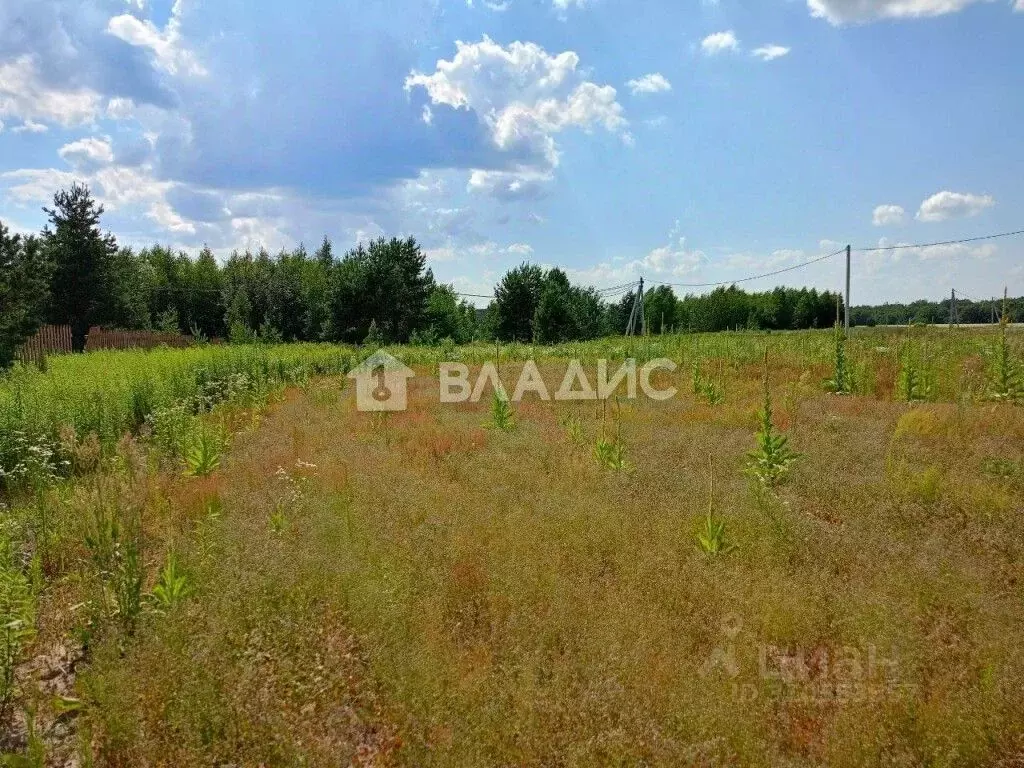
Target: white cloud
pixel 770 52
pixel 524 97
pixel 838 12
pixel 953 205
pixel 564 5
pixel 520 249
pixel 166 45
pixel 668 262
pixel 897 251
pixel 652 83
pixel 24 95
pixel 719 42
pixel 27 185
pixel 30 126
pixel 168 219
pixel 509 185
pixel 88 153
pixel 120 108
pixel 885 215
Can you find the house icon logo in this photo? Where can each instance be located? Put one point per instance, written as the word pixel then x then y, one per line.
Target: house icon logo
pixel 381 383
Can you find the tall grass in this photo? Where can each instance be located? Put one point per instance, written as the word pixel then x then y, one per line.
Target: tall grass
pixel 114 392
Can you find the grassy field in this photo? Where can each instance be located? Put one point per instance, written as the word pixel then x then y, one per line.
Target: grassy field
pixel 596 583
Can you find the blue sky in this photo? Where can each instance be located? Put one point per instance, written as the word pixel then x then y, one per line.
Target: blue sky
pixel 688 142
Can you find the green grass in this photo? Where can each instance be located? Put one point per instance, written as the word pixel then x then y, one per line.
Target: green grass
pixel 315 586
pixel 111 393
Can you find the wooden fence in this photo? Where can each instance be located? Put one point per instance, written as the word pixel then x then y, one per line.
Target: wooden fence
pixel 49 340
pixel 101 338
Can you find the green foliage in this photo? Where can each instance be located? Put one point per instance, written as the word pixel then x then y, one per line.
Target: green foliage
pixel 573 428
pixel 112 541
pixel 841 382
pixel 771 461
pixel 80 290
pixel 448 317
pixel 1005 377
pixel 660 307
pixel 374 338
pixel 611 454
pixel 17 624
pixel 516 299
pixel 502 415
pixel 711 538
pixel 915 378
pixel 111 393
pixel 171 588
pixel 204 454
pixel 23 291
pixel 705 388
pixel 167 321
pixel 387 283
pixel 278 519
pixel 34 755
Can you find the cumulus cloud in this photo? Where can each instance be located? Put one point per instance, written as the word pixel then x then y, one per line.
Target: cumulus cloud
pixel 24 94
pixel 672 261
pixel 509 185
pixel 564 5
pixel 87 154
pixel 953 205
pixel 652 83
pixel 30 126
pixel 885 215
pixel 719 42
pixel 524 97
pixel 838 12
pixel 166 45
pixel 897 251
pixel 770 52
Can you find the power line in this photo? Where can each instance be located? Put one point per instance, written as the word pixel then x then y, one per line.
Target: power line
pixel 614 290
pixel 944 242
pixel 754 277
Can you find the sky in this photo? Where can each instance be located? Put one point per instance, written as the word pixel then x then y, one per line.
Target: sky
pixel 688 142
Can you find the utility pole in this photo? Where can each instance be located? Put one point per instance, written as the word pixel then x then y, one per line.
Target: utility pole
pixel 637 313
pixel 643 310
pixel 846 322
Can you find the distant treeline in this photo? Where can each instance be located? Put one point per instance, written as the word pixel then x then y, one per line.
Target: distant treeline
pixel 382 292
pixel 937 312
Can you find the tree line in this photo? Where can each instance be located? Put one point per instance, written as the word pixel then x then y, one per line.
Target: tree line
pixel 382 292
pixel 925 312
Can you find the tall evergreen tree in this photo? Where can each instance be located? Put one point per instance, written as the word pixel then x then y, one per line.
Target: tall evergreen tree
pixel 81 256
pixel 23 291
pixel 515 303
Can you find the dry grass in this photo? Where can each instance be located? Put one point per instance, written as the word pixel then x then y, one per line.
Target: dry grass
pixel 440 593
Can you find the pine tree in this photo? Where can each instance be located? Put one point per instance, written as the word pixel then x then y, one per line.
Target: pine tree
pixel 80 256
pixel 23 288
